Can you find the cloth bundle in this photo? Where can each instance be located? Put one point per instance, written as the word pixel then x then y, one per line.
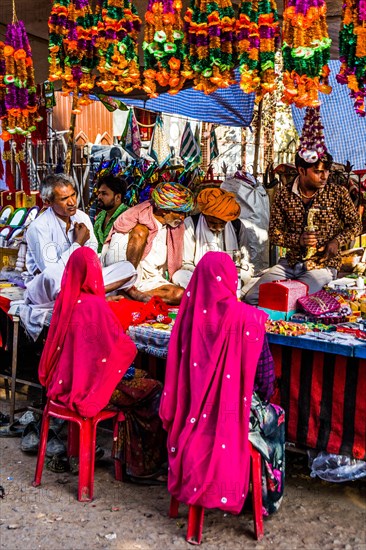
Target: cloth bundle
pixel 130 312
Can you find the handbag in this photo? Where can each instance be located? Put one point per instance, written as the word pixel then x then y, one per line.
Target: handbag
pixel 318 303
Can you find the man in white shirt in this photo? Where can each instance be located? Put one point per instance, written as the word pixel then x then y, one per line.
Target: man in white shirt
pixel 216 228
pixel 54 235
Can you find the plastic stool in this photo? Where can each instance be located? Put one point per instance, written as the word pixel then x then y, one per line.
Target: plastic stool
pixel 81 441
pixel 196 513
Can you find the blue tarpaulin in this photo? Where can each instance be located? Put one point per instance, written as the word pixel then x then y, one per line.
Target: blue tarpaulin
pixel 227 106
pixel 344 130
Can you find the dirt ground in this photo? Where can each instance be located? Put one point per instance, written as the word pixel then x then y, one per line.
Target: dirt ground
pixel 314 514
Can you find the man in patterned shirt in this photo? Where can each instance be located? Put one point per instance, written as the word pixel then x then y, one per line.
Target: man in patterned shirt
pixel 313 255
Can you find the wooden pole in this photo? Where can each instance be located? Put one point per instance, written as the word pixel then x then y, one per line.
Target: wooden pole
pixel 243 155
pixel 257 141
pixel 71 134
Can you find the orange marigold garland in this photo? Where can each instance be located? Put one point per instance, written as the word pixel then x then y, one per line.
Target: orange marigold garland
pixel 18 98
pixel 72 54
pixel 352 50
pixel 210 35
pixel 118 28
pixel 164 53
pixel 257 35
pixel 305 50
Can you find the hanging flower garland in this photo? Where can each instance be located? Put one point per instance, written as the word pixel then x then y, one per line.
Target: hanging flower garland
pixel 2 83
pixel 118 27
pixel 18 98
pixel 72 50
pixel 305 50
pixel 257 35
pixel 352 51
pixel 164 53
pixel 210 35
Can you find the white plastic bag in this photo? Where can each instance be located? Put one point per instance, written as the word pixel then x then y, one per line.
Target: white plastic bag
pixel 336 468
pixel 254 215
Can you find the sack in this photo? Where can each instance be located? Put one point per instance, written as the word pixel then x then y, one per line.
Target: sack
pixel 319 303
pixel 254 215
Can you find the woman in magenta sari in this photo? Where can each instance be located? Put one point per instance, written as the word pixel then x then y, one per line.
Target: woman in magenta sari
pixel 84 361
pixel 217 357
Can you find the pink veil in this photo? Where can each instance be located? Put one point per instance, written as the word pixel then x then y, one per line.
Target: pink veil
pixel 86 351
pixel 212 359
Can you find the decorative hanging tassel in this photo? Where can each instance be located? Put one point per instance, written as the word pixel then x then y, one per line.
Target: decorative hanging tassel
pixel 117 42
pixel 312 141
pixel 164 53
pixel 257 34
pixel 352 51
pixel 72 52
pixel 210 35
pixel 305 50
pixel 18 99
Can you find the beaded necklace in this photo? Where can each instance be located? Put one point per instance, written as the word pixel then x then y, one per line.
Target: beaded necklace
pixel 305 196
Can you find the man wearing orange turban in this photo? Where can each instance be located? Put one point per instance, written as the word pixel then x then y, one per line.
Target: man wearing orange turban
pixel 214 202
pixel 215 228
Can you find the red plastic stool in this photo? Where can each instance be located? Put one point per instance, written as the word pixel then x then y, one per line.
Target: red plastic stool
pixel 81 441
pixel 196 513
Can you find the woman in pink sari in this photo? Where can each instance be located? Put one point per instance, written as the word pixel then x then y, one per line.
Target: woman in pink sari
pixel 214 351
pixel 85 358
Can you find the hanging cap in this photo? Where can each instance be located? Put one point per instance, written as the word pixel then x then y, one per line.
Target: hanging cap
pixel 312 143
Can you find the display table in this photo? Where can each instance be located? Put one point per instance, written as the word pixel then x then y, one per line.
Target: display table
pixel 11 335
pixel 322 387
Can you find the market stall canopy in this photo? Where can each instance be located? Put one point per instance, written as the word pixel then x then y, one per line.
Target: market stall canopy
pixel 228 106
pixel 35 15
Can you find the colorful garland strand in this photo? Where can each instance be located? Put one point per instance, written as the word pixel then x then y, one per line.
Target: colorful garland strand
pixel 72 28
pixel 18 98
pixel 210 35
pixel 164 53
pixel 352 51
pixel 257 35
pixel 118 64
pixel 305 50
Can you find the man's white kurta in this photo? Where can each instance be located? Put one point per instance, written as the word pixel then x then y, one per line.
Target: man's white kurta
pixel 49 247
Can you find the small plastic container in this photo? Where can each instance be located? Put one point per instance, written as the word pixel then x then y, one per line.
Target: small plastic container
pixel 360 283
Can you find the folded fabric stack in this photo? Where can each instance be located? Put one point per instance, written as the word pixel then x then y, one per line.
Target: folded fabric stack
pixel 150 339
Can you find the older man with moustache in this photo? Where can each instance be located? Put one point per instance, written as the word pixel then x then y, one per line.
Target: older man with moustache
pixel 51 239
pixel 217 228
pixel 150 236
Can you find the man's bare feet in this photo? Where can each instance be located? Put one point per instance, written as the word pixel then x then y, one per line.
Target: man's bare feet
pixel 135 294
pixel 114 298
